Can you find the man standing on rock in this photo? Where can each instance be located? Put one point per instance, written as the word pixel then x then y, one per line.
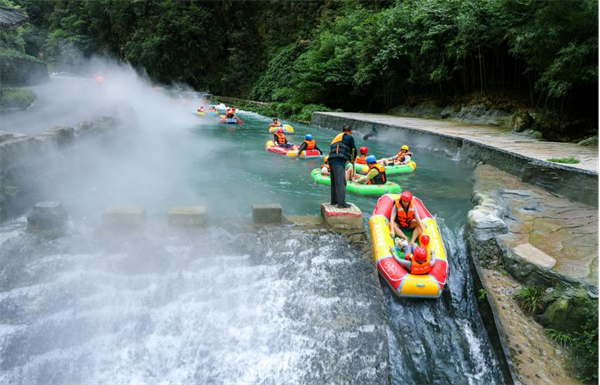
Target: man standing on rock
pixel 343 150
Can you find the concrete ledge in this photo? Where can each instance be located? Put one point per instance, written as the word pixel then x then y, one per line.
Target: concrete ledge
pixel 124 216
pixel 187 215
pixel 574 183
pixel 336 218
pixel 266 213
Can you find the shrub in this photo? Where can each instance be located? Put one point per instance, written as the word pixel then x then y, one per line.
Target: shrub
pixel 530 298
pixel 17 98
pixel 570 160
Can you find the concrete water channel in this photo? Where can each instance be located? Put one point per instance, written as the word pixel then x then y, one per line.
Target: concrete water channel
pixel 227 302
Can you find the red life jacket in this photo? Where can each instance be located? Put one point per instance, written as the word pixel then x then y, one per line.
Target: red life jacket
pixel 405 217
pixel 422 267
pixel 380 178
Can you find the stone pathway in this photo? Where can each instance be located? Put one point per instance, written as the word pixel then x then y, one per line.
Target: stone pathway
pixel 537 359
pixel 501 138
pixel 549 231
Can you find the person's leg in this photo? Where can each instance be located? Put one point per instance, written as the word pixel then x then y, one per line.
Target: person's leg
pixel 333 185
pixel 340 182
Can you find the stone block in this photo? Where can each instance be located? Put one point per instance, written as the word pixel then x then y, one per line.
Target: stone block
pixel 535 256
pixel 59 136
pixel 187 215
pixel 336 218
pixel 266 213
pixel 47 217
pixel 124 216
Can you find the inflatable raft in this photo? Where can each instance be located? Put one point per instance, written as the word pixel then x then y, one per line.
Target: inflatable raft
pixel 225 120
pixel 270 146
pixel 286 129
pixel 390 170
pixel 401 281
pixel 358 188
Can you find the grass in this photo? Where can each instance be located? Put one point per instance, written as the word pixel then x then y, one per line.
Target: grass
pixel 17 98
pixel 482 294
pixel 530 298
pixel 569 160
pixel 560 337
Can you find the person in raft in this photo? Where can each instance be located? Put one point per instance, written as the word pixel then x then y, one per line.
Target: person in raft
pixel 308 144
pixel 201 108
pixel 326 170
pixel 276 123
pixel 212 109
pixel 406 218
pixel 376 174
pixel 362 157
pixel 403 157
pixel 420 261
pixel 342 151
pixel 280 139
pixel 230 112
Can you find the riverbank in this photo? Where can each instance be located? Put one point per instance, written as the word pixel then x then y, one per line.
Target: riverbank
pixel 519 236
pixel 519 155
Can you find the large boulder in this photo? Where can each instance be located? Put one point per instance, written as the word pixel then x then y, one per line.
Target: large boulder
pixel 569 312
pixel 522 121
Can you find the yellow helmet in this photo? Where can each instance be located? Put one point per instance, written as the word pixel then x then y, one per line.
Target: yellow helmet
pixel 326 159
pixel 405 147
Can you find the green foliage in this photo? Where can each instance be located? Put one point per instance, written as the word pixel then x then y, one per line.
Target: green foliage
pixel 530 298
pixel 569 160
pixel 584 346
pixel 482 294
pixel 560 337
pixel 17 98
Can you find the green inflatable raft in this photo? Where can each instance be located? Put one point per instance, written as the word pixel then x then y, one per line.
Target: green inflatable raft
pixel 357 188
pixel 390 170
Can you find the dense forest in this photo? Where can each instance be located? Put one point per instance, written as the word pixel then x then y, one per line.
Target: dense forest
pixel 353 55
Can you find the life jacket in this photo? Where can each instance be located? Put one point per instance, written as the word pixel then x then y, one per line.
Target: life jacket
pixel 310 144
pixel 274 125
pixel 404 218
pixel 326 165
pixel 280 138
pixel 420 268
pixel 381 177
pixel 339 149
pixel 401 156
pixel 361 159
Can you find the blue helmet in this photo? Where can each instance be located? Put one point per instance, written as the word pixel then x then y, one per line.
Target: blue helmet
pixel 308 137
pixel 371 159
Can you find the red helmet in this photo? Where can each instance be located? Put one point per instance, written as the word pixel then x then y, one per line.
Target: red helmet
pixel 280 131
pixel 421 254
pixel 364 150
pixel 406 196
pixel 425 240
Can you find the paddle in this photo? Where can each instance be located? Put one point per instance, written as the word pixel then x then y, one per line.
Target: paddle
pixel 239 120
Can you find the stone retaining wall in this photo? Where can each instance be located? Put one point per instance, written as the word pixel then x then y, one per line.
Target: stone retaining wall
pixel 576 184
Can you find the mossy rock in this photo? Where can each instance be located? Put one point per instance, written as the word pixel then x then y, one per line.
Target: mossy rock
pixel 569 313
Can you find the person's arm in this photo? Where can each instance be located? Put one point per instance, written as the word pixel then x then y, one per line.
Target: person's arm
pixel 275 139
pixel 370 175
pixel 318 149
pixel 302 148
pixel 353 149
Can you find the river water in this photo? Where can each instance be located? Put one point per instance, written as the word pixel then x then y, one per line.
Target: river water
pixel 228 306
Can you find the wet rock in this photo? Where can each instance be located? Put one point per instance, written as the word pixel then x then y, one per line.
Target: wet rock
pixel 522 121
pixel 266 213
pixel 568 313
pixel 83 127
pixel 48 218
pixel 591 141
pixel 537 135
pixel 57 136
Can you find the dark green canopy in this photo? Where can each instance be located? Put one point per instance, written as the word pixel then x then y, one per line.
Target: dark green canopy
pixel 11 17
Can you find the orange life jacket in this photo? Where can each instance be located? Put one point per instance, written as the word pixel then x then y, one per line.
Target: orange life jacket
pixel 380 178
pixel 274 125
pixel 280 138
pixel 310 144
pixel 404 218
pixel 361 159
pixel 400 156
pixel 339 149
pixel 422 267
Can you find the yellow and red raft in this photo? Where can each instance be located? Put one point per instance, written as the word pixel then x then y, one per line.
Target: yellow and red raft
pixel 401 281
